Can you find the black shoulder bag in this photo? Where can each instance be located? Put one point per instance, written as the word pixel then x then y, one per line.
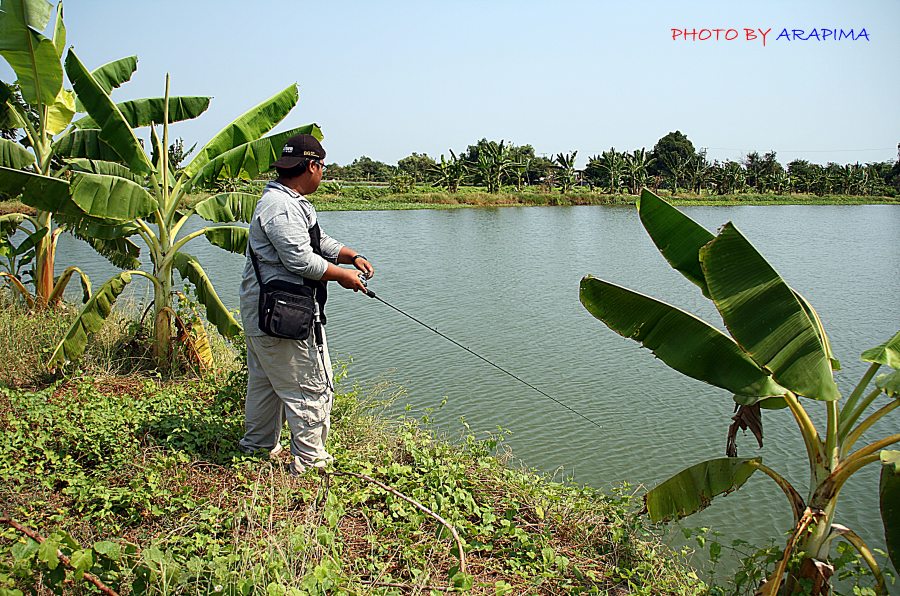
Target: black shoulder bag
pixel 286 310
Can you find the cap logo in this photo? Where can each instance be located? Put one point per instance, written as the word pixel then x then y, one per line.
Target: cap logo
pixel 287 149
pixel 311 153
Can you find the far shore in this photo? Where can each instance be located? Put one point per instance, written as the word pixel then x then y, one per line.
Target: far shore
pixel 382 199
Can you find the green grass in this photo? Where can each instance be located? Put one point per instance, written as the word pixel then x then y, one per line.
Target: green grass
pixel 136 478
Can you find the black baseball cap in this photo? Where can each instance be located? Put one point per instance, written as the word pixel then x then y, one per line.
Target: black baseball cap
pixel 298 148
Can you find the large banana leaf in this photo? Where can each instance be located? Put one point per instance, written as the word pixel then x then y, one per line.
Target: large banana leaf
pixel 41 192
pixel 112 75
pixel 227 207
pixel 107 168
pixel 31 55
pixel 681 340
pixel 114 129
pixel 216 313
pixel 254 123
pixel 89 320
pixel 889 497
pixel 887 353
pixel 105 229
pixel 692 489
pixel 59 31
pixel 764 316
pixel 111 197
pixel 14 156
pixel 121 252
pixel 678 237
pixel 60 114
pixel 889 383
pixel 249 159
pixel 231 238
pixel 143 112
pixel 85 144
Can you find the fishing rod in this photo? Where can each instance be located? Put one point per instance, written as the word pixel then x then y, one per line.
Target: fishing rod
pixel 368 292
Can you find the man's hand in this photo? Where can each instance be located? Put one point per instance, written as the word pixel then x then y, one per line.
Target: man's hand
pixel 349 279
pixel 364 266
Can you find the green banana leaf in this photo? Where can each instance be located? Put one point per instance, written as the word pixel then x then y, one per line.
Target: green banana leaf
pixel 889 497
pixel 107 168
pixel 121 252
pixel 14 156
pixel 30 242
pixel 887 353
pixel 85 144
pixel 89 320
pixel 112 75
pixel 105 229
pixel 678 237
pixel 41 192
pixel 681 340
pixel 769 403
pixel 31 55
pixel 231 238
pixel 9 223
pixel 59 31
pixel 227 207
pixel 60 114
pixel 114 129
pixel 147 111
pixel 111 197
pixel 816 322
pixel 216 313
pixel 692 489
pixel 764 316
pixel 251 125
pixel 889 383
pixel 250 159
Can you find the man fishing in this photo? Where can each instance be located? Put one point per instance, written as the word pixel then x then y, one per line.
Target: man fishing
pixel 291 378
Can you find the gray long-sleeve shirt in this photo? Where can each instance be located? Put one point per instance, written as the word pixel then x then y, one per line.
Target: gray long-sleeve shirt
pixel 279 235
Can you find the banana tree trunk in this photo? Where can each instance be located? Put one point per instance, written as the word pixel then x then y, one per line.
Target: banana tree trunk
pixel 44 260
pixel 162 323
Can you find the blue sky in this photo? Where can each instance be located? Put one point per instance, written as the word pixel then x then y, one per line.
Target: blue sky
pixel 385 79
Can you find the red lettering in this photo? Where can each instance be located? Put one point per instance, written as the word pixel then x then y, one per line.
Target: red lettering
pixel 692 33
pixel 733 37
pixel 750 33
pixel 708 35
pixel 676 33
pixel 764 33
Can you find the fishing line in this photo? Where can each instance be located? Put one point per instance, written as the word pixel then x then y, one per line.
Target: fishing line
pixel 372 294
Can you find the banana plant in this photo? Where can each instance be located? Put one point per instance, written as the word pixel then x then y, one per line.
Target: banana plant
pixel 494 162
pixel 450 173
pixel 138 197
pixel 776 356
pixel 17 256
pixel 36 61
pixel 565 167
pixel 42 110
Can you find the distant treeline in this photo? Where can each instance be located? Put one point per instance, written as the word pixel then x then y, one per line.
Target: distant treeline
pixel 672 164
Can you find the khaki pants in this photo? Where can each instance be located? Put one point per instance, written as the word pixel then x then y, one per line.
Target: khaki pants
pixel 287 380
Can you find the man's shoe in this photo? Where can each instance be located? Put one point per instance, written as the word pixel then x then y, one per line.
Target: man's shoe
pixel 297 467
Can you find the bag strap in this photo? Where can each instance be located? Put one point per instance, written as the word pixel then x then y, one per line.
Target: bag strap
pixel 255 262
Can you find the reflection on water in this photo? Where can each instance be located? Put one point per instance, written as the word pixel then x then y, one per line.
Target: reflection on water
pixel 504 282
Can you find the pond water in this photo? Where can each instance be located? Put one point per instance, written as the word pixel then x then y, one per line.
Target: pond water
pixel 504 283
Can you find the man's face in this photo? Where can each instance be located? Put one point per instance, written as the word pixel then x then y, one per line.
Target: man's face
pixel 317 169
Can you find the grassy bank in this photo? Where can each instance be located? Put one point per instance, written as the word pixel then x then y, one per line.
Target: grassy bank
pixel 381 198
pixel 135 478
